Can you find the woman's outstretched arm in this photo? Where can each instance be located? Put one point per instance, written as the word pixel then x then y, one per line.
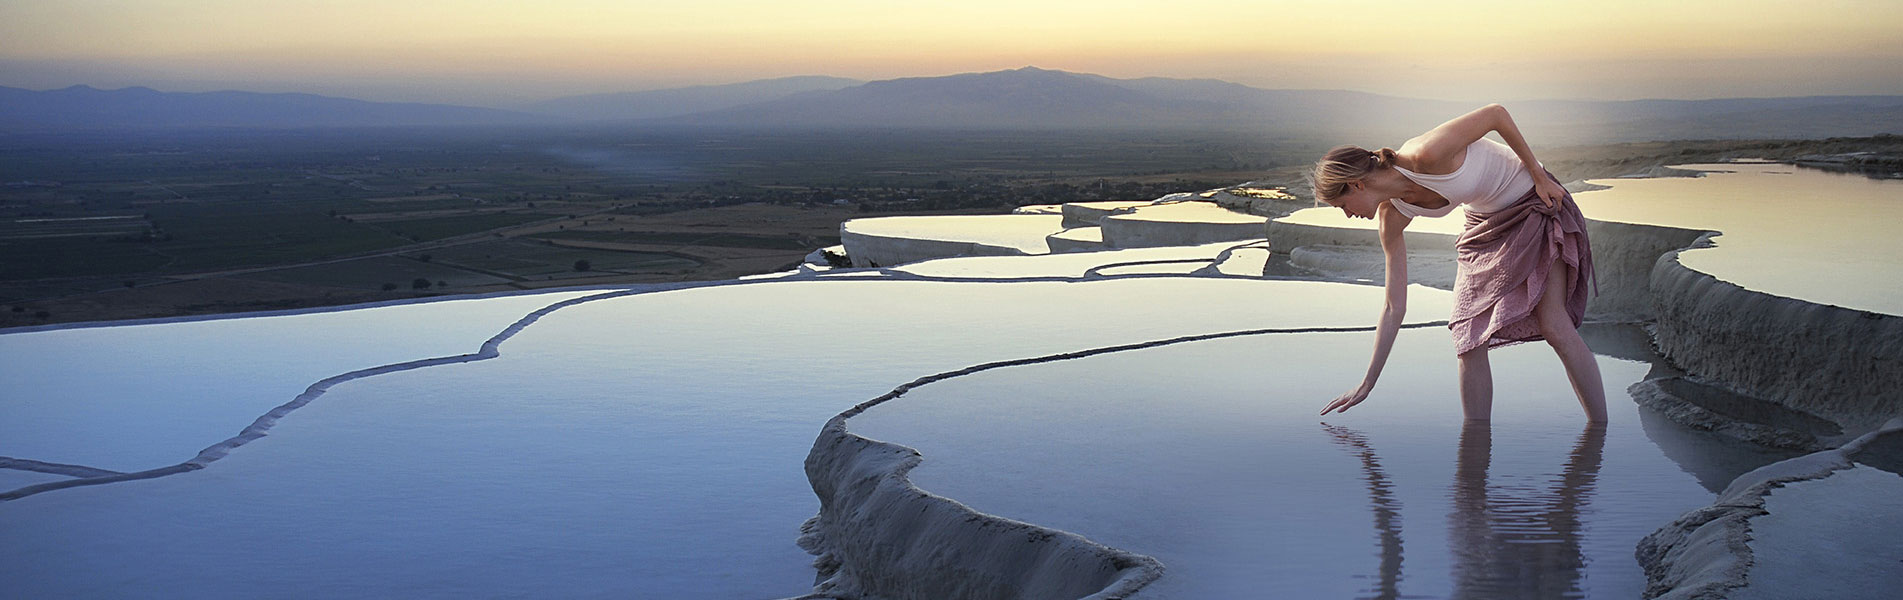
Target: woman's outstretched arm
pixel 1394 251
pixel 1438 148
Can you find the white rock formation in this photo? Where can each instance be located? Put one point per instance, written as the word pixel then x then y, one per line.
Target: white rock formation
pixel 1180 224
pixel 887 241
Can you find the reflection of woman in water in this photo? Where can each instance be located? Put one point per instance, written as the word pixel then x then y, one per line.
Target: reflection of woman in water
pixel 1506 542
pixel 1524 543
pixel 1523 260
pixel 1387 510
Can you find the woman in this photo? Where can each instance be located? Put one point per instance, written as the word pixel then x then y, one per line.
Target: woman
pixel 1523 261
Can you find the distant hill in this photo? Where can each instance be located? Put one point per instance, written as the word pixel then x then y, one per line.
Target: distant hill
pixel 85 107
pixel 1022 98
pixel 1019 99
pixel 1032 98
pixel 681 101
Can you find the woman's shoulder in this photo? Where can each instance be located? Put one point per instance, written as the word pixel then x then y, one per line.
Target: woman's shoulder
pixel 1418 156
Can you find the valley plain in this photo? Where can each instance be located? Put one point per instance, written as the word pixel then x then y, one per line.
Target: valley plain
pixel 165 223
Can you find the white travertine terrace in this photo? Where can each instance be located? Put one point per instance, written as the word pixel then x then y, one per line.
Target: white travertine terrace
pixel 1077 239
pixel 1090 214
pixel 889 241
pixel 1820 237
pixel 1433 268
pixel 1821 525
pixel 1323 216
pixel 1180 224
pixel 1076 264
pixel 1039 209
pixel 1085 226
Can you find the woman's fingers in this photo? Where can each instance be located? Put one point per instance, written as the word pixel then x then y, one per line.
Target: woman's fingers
pixel 1549 192
pixel 1342 403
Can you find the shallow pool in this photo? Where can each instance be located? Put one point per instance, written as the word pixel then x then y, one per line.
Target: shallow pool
pixel 651 445
pixel 1800 233
pixel 1208 457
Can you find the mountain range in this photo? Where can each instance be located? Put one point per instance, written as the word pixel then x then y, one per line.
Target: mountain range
pixel 87 108
pixel 1019 99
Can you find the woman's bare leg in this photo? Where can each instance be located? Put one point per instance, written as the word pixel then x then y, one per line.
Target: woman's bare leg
pixel 1476 385
pixel 1557 326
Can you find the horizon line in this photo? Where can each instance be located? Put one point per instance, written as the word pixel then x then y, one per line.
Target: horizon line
pixel 515 106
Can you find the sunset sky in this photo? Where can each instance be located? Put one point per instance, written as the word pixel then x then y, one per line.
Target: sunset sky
pixel 497 53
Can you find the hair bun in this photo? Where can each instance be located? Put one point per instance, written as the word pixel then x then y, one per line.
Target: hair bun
pixel 1383 157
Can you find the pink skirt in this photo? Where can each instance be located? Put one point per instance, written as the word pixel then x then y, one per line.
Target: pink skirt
pixel 1502 261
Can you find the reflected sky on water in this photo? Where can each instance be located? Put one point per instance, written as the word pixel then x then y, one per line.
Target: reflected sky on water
pixel 655 443
pixel 1208 457
pixel 1801 233
pixel 643 446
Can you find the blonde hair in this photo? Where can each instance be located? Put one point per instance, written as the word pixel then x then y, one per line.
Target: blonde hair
pixel 1342 165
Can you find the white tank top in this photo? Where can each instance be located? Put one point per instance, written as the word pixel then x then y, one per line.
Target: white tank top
pixel 1490 178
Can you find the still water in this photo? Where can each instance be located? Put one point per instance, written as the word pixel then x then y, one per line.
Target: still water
pixel 644 446
pixel 652 445
pixel 1813 235
pixel 1209 457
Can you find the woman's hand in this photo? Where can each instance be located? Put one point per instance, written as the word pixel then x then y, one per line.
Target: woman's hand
pixel 1550 191
pixel 1353 397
